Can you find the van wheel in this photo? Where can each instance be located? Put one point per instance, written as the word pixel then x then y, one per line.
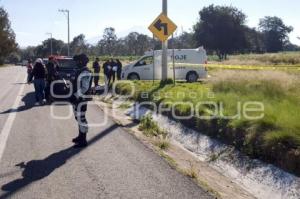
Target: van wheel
pixel 192 77
pixel 133 76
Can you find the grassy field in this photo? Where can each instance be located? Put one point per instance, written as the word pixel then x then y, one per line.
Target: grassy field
pixel 288 61
pixel 274 138
pixel 277 60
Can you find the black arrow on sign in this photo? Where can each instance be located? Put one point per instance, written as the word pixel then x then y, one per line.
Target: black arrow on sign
pixel 159 25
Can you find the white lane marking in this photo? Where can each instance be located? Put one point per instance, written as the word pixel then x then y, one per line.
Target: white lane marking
pixel 10 120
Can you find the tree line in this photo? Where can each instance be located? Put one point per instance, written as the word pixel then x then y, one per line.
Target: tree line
pixel 222 30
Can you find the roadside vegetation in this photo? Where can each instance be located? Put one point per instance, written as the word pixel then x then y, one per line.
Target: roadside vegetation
pixel 283 59
pixel 150 127
pixel 275 138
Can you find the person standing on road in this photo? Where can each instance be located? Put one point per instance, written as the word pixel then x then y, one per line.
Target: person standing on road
pixel 96 67
pixel 39 75
pixel 50 77
pixel 81 87
pixel 119 71
pixel 29 71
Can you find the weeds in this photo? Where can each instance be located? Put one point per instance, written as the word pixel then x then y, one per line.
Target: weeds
pixel 170 160
pixel 163 144
pixel 191 172
pixel 150 127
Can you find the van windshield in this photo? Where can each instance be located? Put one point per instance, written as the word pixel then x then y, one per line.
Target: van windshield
pixel 145 61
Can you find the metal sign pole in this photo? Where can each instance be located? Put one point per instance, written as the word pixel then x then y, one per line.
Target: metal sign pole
pixel 68 32
pixel 153 59
pixel 173 45
pixel 165 47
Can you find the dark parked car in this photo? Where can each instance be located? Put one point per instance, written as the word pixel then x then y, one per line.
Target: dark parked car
pixel 66 72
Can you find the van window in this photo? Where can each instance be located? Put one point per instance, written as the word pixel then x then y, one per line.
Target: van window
pixel 144 62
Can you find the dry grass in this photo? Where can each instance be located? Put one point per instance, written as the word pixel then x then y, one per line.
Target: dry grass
pixel 285 80
pixel 163 144
pixel 274 59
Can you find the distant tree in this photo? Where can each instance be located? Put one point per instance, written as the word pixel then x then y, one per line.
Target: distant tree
pixel 275 33
pixel 145 43
pixel 255 41
pixel 7 37
pixel 121 48
pixel 78 45
pixel 137 43
pixel 184 41
pixel 109 40
pixel 291 47
pixel 27 53
pixel 221 29
pixel 44 50
pixel 132 42
pixel 14 58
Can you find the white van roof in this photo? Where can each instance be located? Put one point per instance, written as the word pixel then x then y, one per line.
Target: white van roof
pixel 158 52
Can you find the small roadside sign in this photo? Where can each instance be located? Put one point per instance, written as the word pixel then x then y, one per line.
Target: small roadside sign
pixel 163 27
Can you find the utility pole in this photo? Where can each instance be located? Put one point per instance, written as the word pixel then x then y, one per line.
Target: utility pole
pixel 165 46
pixel 50 34
pixel 67 13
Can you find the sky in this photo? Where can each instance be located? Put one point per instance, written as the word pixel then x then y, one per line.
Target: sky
pixel 32 19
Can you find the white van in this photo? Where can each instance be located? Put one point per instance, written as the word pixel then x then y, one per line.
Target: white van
pixel 189 66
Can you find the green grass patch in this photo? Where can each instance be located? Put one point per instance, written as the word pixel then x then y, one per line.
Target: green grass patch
pixel 274 138
pixel 150 127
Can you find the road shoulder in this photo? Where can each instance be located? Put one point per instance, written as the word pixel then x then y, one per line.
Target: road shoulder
pixel 181 159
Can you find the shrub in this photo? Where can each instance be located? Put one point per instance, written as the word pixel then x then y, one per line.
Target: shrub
pixel 150 127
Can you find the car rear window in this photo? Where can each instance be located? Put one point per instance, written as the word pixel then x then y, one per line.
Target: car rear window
pixel 66 63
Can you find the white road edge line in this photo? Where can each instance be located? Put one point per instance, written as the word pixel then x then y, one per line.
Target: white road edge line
pixel 9 122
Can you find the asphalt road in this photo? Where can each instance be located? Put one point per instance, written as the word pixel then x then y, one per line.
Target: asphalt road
pixel 39 162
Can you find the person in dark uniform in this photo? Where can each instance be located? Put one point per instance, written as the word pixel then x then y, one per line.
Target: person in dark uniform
pixel 113 71
pixel 50 77
pixel 96 67
pixel 119 71
pixel 107 72
pixel 81 88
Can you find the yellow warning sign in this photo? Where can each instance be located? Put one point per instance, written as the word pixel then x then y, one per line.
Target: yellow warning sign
pixel 163 27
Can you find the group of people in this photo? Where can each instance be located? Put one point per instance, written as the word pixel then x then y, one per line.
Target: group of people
pixel 112 69
pixel 41 76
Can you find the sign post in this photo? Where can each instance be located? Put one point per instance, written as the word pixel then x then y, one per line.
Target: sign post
pixel 163 28
pixel 153 59
pixel 164 58
pixel 173 59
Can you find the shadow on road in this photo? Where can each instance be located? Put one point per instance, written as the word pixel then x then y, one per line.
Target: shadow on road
pixel 36 170
pixel 29 101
